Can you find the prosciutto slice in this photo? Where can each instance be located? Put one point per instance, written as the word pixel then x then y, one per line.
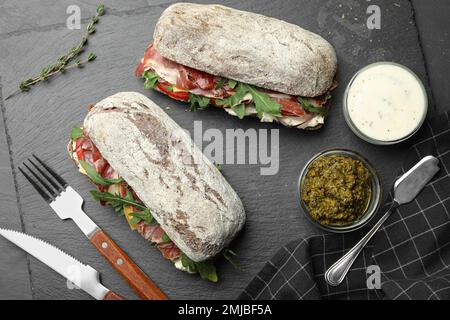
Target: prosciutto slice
pixel 203 84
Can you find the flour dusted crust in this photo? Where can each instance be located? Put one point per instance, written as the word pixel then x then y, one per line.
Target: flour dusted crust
pixel 246 47
pixel 185 192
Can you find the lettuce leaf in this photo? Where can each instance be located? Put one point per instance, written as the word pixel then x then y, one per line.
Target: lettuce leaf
pixel 151 79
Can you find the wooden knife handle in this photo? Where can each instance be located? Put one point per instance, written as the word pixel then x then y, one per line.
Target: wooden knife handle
pixel 141 284
pixel 111 295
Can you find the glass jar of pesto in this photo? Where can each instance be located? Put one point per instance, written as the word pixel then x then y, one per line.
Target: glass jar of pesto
pixel 339 190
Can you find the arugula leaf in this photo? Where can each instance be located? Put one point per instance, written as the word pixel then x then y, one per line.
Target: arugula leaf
pixel 116 200
pixel 95 176
pixel 165 238
pixel 232 84
pixel 188 263
pixel 198 102
pixel 310 108
pixel 143 215
pixel 239 110
pixel 220 83
pixel 151 79
pixel 263 102
pixel 206 269
pixel 235 99
pixel 76 133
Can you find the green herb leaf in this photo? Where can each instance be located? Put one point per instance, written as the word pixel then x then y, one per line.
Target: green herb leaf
pixel 235 99
pixel 232 84
pixel 151 79
pixel 76 133
pixel 116 200
pixel 165 238
pixel 207 270
pixel 306 105
pixel 62 63
pixel 143 215
pixel 95 176
pixel 91 57
pixel 188 263
pixel 170 89
pixel 239 110
pixel 198 102
pixel 220 83
pixel 100 9
pixel 263 102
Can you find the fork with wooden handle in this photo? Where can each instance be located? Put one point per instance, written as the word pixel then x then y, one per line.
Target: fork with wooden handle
pixel 67 204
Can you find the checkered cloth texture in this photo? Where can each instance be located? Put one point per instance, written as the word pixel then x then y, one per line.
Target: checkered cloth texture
pixel 411 250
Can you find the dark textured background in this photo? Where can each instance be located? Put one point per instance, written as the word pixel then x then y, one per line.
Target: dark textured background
pixel 33 34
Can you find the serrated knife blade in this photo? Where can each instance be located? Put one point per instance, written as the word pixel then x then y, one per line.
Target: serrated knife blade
pixel 81 275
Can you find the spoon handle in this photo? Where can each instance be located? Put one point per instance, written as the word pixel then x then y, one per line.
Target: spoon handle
pixel 337 272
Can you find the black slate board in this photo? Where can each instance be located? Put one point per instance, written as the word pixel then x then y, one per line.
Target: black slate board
pixel 41 120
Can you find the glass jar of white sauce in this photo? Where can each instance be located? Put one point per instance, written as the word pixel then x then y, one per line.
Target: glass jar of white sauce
pixel 385 103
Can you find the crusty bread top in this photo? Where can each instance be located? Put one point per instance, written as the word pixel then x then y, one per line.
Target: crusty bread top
pixel 246 47
pixel 186 194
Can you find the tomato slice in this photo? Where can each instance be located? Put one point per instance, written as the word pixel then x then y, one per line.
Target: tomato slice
pixel 80 154
pixel 95 154
pixel 182 96
pixel 290 107
pixel 79 142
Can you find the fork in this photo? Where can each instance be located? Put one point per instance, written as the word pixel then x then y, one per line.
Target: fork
pixel 67 204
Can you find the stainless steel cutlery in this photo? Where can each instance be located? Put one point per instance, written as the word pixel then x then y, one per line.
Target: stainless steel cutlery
pixel 67 204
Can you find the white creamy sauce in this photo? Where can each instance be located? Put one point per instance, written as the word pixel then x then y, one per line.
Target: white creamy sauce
pixel 386 102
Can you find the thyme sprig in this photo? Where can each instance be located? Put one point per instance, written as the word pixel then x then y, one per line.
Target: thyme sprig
pixel 63 62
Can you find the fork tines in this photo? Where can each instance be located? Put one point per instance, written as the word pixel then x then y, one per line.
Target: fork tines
pixel 46 181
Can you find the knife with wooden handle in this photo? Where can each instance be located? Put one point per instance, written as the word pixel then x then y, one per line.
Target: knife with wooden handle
pixel 81 275
pixel 67 204
pixel 137 279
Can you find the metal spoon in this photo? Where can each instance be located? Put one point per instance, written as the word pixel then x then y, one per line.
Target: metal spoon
pixel 406 188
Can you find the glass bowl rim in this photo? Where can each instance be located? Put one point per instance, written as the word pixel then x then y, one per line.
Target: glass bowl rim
pixel 375 201
pixel 358 132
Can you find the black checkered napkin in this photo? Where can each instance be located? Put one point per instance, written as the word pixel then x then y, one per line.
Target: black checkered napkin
pixel 412 249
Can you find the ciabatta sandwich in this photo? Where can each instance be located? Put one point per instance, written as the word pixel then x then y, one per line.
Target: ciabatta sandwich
pixel 246 63
pixel 149 169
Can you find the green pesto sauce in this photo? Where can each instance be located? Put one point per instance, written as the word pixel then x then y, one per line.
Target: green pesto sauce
pixel 337 189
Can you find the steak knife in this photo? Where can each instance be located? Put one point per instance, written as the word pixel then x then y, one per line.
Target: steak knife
pixel 67 204
pixel 81 275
